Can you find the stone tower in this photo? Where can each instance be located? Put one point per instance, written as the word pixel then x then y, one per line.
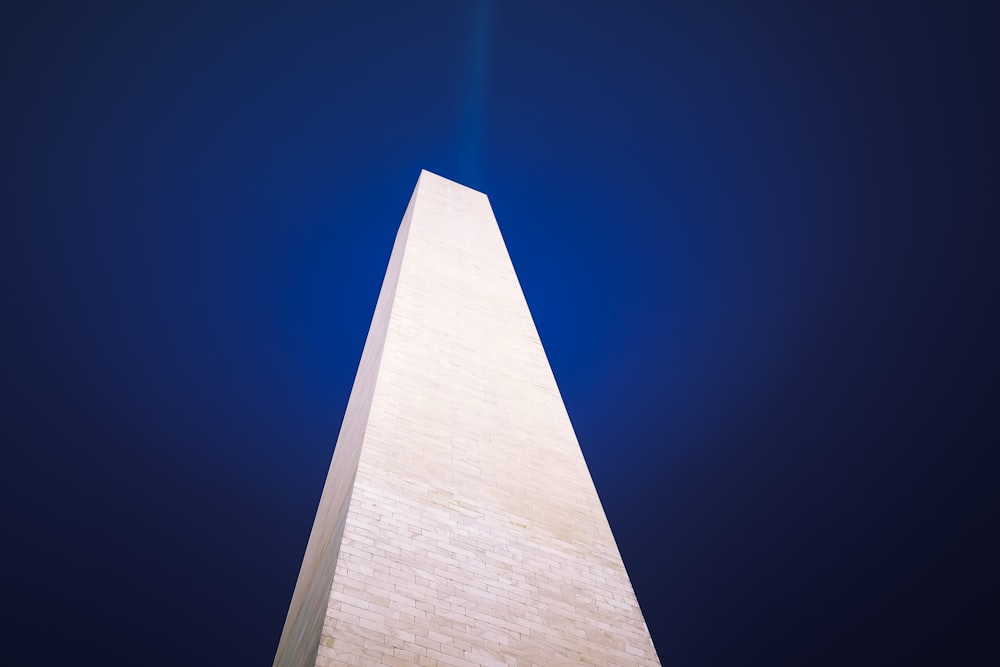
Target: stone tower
pixel 459 524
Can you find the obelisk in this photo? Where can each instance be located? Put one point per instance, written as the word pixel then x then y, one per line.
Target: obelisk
pixel 459 524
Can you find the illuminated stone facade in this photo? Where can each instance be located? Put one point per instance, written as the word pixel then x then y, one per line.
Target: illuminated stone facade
pixel 459 524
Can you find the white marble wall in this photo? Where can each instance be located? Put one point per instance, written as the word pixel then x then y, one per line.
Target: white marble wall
pixel 474 535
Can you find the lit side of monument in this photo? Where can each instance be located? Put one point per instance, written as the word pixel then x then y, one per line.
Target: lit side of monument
pixel 459 524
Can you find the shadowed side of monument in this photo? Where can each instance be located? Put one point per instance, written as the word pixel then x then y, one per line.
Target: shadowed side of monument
pixel 303 625
pixel 459 524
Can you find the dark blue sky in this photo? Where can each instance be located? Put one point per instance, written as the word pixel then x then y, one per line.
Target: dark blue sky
pixel 757 240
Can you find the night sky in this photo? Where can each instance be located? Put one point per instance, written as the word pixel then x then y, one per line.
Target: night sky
pixel 757 239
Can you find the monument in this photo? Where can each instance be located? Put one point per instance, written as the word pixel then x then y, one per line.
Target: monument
pixel 459 524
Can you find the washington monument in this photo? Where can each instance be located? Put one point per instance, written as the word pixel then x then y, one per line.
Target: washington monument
pixel 459 524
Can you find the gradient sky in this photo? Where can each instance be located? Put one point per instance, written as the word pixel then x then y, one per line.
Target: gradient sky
pixel 757 240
